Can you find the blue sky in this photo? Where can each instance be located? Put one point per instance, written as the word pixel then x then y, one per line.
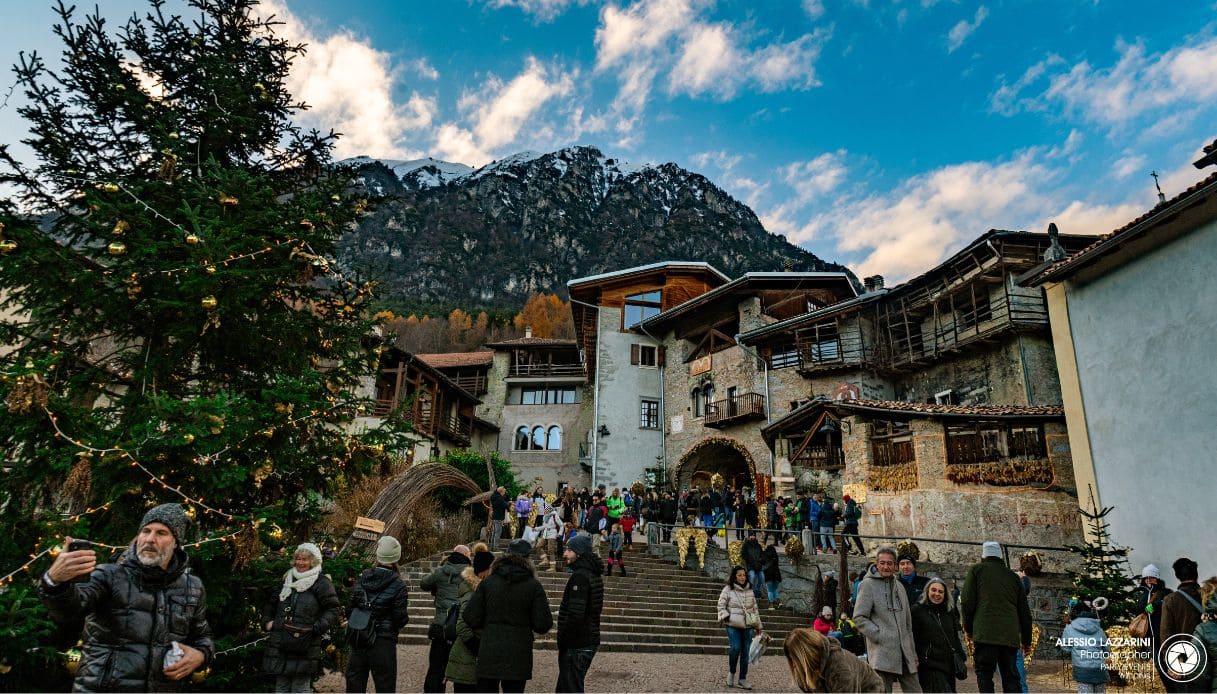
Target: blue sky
pixel 883 134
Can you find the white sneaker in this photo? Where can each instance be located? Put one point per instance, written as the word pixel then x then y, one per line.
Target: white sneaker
pixel 743 684
pixel 731 680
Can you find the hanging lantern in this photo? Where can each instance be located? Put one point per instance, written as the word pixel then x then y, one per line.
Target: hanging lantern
pixel 117 248
pixel 209 303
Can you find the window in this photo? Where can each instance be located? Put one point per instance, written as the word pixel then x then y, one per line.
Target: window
pixel 639 307
pixel 649 415
pixel 554 442
pixel 542 395
pixel 946 397
pixel 707 397
pixel 521 439
pixel 784 356
pixel 891 443
pixel 647 355
pixel 538 439
pixel 993 442
pixel 821 343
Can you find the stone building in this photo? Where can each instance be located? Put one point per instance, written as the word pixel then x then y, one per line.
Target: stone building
pixel 538 396
pixel 1133 323
pixel 716 394
pixel 963 333
pixel 626 367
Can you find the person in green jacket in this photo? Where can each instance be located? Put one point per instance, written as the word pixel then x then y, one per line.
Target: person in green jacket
pixel 615 505
pixel 997 619
pixel 463 658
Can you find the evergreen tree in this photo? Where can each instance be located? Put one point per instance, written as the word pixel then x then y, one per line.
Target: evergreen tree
pixel 175 326
pixel 1105 572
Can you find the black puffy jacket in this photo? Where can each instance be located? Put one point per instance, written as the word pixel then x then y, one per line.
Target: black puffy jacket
pixel 315 609
pixel 582 602
pixel 751 554
pixel 770 565
pixel 132 615
pixel 509 606
pixel 382 588
pixel 936 635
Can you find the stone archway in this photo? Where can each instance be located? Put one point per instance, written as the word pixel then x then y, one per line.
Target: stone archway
pixel 716 454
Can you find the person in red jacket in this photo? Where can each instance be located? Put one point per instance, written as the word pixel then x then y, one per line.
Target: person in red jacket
pixel 824 623
pixel 627 527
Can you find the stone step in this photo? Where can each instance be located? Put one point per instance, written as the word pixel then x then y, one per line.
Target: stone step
pixel 610 643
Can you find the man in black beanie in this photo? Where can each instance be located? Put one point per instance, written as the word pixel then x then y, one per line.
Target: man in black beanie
pixel 579 615
pixel 129 642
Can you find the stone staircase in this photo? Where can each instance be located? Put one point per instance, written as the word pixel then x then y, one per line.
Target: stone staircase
pixel 658 608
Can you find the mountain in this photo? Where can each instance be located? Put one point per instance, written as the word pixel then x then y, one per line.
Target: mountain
pixel 447 235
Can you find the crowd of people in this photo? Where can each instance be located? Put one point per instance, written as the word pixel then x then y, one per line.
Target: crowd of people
pixel 146 626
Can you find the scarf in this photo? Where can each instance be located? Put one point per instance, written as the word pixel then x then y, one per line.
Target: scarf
pixel 299 581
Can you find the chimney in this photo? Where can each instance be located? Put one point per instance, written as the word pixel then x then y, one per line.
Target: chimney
pixel 1056 252
pixel 873 283
pixel 528 331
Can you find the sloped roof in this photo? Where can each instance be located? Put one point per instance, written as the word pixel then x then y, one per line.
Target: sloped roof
pixel 961 411
pixel 641 269
pixel 1116 239
pixel 748 280
pixel 449 360
pixel 531 342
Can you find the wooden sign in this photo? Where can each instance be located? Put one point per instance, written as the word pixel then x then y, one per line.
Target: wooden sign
pixel 699 366
pixel 365 535
pixel 370 524
pixel 857 492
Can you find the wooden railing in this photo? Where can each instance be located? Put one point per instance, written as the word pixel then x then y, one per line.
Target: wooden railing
pixel 546 370
pixel 821 458
pixel 739 408
pixel 473 384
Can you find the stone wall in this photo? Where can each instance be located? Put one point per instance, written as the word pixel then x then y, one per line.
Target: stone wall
pixel 941 508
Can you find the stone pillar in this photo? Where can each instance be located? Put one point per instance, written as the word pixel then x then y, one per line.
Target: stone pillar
pixel 929 445
pixel 1059 454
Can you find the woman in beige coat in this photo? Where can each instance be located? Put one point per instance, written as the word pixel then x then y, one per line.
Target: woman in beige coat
pixel 819 664
pixel 738 612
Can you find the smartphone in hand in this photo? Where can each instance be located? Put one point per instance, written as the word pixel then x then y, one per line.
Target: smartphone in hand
pixel 76 546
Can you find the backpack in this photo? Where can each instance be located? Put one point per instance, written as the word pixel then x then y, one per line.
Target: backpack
pixel 361 626
pixel 454 613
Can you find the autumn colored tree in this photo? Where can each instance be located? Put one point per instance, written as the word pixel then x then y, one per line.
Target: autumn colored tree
pixel 548 316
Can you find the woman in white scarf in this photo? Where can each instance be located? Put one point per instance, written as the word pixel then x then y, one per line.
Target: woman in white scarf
pixel 306 608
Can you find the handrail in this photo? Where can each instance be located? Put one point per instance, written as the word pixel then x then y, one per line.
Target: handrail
pixel 531 370
pixel 742 405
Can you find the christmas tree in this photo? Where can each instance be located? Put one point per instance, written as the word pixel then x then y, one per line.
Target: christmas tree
pixel 175 326
pixel 1104 571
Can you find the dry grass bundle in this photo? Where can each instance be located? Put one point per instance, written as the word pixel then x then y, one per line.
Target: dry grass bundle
pixel 351 505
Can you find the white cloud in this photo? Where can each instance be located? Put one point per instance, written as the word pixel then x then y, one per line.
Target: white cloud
pixel 496 113
pixel 424 69
pixel 961 31
pixel 1128 164
pixel 648 39
pixel 1083 218
pixel 542 10
pixel 1163 86
pixel 708 62
pixel 814 8
pixel 815 177
pixel 348 86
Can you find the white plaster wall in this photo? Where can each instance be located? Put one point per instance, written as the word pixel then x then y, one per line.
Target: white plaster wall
pixel 1144 337
pixel 628 450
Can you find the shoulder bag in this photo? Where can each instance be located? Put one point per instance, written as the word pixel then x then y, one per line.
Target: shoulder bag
pixel 960 659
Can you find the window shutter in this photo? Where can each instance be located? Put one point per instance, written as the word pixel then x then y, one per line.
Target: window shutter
pixel 663 356
pixel 635 352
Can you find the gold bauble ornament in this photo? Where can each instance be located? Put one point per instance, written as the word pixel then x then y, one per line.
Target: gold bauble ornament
pixel 794 548
pixel 209 303
pixel 120 226
pixel 188 437
pixel 199 675
pixel 71 660
pixel 228 200
pixel 191 513
pixel 173 136
pixel 5 668
pixel 7 246
pixel 108 187
pixel 117 248
pixel 192 239
pixel 120 87
pixel 209 269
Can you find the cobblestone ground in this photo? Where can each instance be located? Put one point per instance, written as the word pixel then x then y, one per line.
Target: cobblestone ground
pixel 653 672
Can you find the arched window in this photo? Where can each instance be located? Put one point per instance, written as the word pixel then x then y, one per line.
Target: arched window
pixel 554 443
pixel 521 439
pixel 707 397
pixel 695 396
pixel 538 439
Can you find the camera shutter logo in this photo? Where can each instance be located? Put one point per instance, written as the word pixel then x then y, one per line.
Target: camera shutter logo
pixel 1184 655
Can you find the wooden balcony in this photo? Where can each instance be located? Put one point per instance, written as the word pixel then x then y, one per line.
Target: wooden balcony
pixel 475 384
pixel 546 370
pixel 821 458
pixel 456 429
pixel 736 410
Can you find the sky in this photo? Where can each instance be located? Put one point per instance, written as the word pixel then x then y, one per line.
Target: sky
pixel 883 134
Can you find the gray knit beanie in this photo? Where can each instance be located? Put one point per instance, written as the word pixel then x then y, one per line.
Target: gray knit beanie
pixel 172 516
pixel 388 550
